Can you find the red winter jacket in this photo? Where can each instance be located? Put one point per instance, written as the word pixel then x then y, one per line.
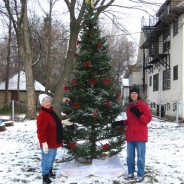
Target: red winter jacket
pixel 46 129
pixel 137 129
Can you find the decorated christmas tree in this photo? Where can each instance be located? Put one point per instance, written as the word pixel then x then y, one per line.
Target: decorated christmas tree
pixel 93 102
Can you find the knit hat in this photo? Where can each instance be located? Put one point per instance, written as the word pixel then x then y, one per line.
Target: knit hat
pixel 42 97
pixel 134 89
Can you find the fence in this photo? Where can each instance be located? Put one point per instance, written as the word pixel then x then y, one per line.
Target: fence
pixel 14 111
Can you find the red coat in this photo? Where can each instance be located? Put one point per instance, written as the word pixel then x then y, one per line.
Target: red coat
pixel 137 129
pixel 46 129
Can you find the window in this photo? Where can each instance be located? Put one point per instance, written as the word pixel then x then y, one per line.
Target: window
pixel 175 27
pixel 174 106
pixel 150 81
pixel 155 82
pixel 175 72
pixel 166 40
pixel 166 79
pixel 168 107
pixel 154 104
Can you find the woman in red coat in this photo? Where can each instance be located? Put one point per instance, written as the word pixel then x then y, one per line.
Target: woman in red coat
pixel 50 136
pixel 138 116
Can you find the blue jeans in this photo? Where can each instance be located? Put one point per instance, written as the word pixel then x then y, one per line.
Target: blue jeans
pixel 48 160
pixel 140 147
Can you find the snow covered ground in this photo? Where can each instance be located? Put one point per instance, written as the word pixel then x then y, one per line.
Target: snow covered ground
pixel 20 156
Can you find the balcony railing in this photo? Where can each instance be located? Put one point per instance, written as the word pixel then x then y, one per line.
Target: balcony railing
pixel 157 48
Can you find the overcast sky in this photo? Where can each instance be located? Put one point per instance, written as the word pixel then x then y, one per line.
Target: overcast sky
pixel 129 18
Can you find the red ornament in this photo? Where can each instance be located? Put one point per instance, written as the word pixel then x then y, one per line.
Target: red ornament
pixel 74 55
pixel 87 64
pixel 78 43
pixel 74 82
pixel 107 81
pixel 93 81
pixel 62 143
pixel 108 103
pixel 65 112
pixel 105 146
pixel 99 46
pixel 66 88
pixel 120 129
pixel 76 105
pixel 72 145
pixel 95 114
pixel 90 33
pixel 118 95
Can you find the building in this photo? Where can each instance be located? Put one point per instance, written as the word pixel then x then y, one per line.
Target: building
pixel 136 79
pixel 13 90
pixel 161 57
pixel 125 90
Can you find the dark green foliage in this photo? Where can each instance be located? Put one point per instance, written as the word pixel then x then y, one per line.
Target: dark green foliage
pixel 93 99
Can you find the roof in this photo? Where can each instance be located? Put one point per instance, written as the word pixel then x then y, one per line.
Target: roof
pixel 22 84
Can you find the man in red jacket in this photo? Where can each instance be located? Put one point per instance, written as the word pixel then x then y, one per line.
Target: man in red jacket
pixel 138 116
pixel 50 136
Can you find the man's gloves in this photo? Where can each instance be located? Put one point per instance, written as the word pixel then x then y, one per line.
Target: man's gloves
pixel 135 111
pixel 117 123
pixel 66 122
pixel 45 147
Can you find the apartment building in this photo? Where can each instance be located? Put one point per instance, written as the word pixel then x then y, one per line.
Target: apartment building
pixel 161 59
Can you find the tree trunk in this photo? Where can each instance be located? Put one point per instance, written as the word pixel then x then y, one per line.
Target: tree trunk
pixel 28 60
pixel 59 92
pixel 18 82
pixel 20 24
pixel 48 47
pixel 8 65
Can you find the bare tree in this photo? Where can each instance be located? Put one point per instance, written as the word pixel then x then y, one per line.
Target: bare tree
pixel 17 12
pixel 49 45
pixel 8 53
pixel 48 39
pixel 59 42
pixel 121 50
pixel 3 48
pixel 8 63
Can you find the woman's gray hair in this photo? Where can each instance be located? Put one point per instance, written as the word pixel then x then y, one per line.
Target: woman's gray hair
pixel 47 98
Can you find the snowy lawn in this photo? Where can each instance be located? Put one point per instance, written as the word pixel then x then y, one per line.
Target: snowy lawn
pixel 20 156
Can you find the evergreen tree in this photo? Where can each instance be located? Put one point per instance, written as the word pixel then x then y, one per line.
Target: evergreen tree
pixel 93 101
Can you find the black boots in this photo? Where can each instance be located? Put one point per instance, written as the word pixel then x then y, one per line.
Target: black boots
pixel 46 179
pixel 51 174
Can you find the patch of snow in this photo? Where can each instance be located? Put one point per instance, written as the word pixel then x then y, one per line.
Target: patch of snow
pixel 21 156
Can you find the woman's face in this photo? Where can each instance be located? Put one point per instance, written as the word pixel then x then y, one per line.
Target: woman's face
pixel 134 96
pixel 46 103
